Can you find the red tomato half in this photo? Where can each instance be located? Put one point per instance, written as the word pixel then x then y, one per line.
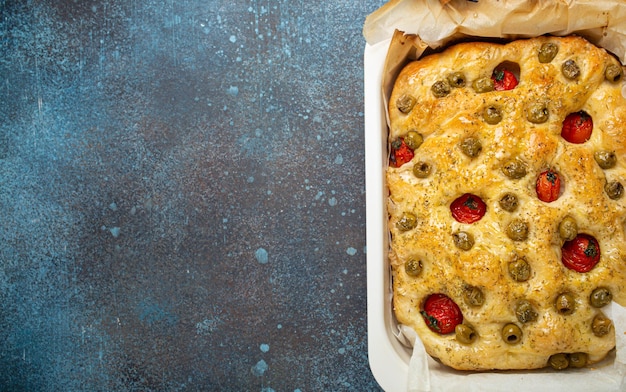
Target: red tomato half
pixel 503 79
pixel 548 186
pixel 577 127
pixel 441 314
pixel 468 208
pixel 400 153
pixel 581 254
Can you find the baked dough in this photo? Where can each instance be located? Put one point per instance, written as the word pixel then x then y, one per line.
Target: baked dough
pixel 480 276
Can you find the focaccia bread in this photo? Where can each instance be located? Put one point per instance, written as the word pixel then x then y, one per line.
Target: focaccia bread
pixel 507 213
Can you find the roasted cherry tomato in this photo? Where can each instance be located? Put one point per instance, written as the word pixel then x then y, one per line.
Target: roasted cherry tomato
pixel 577 127
pixel 400 153
pixel 581 254
pixel 468 208
pixel 548 186
pixel 441 314
pixel 503 79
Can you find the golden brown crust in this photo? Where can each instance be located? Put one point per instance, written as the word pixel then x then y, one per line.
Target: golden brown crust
pixel 444 124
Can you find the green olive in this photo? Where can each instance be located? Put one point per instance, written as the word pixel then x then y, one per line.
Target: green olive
pixel 413 140
pixel 413 267
pixel 440 89
pixel 517 230
pixel 407 222
pixel 405 103
pixel 519 269
pixel 463 240
pixel 570 69
pixel 558 361
pixel 578 360
pixel 568 229
pixel 600 297
pixel 565 304
pixel 483 85
pixel 605 159
pixel 601 325
pixel 547 52
pixel 465 334
pixel 614 189
pixel 509 202
pixel 537 113
pixel 471 147
pixel 421 169
pixel 514 169
pixel 474 296
pixel 511 334
pixel 525 312
pixel 492 115
pixel 456 79
pixel 613 73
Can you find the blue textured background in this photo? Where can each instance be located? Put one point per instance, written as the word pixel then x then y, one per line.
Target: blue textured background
pixel 182 196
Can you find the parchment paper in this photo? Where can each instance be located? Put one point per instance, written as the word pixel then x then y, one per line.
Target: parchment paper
pixel 417 26
pixel 601 21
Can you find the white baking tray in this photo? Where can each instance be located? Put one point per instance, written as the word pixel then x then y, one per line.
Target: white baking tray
pixel 389 359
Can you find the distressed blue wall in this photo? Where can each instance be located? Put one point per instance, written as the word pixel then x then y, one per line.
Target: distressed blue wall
pixel 182 198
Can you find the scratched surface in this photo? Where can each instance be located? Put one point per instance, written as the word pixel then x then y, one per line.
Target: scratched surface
pixel 182 200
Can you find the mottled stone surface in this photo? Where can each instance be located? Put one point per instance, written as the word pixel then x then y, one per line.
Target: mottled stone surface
pixel 182 196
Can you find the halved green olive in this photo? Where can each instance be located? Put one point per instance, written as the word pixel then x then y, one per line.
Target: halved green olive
pixel 558 361
pixel 474 296
pixel 492 115
pixel 525 312
pixel 601 325
pixel 509 202
pixel 570 69
pixel 405 103
pixel 421 169
pixel 413 267
pixel 463 240
pixel 537 113
pixel 511 333
pixel 514 169
pixel 465 334
pixel 613 73
pixel 565 304
pixel 568 229
pixel 456 79
pixel 547 52
pixel 483 85
pixel 578 360
pixel 517 230
pixel 413 140
pixel 440 89
pixel 407 222
pixel 614 189
pixel 605 159
pixel 519 269
pixel 471 147
pixel 600 297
